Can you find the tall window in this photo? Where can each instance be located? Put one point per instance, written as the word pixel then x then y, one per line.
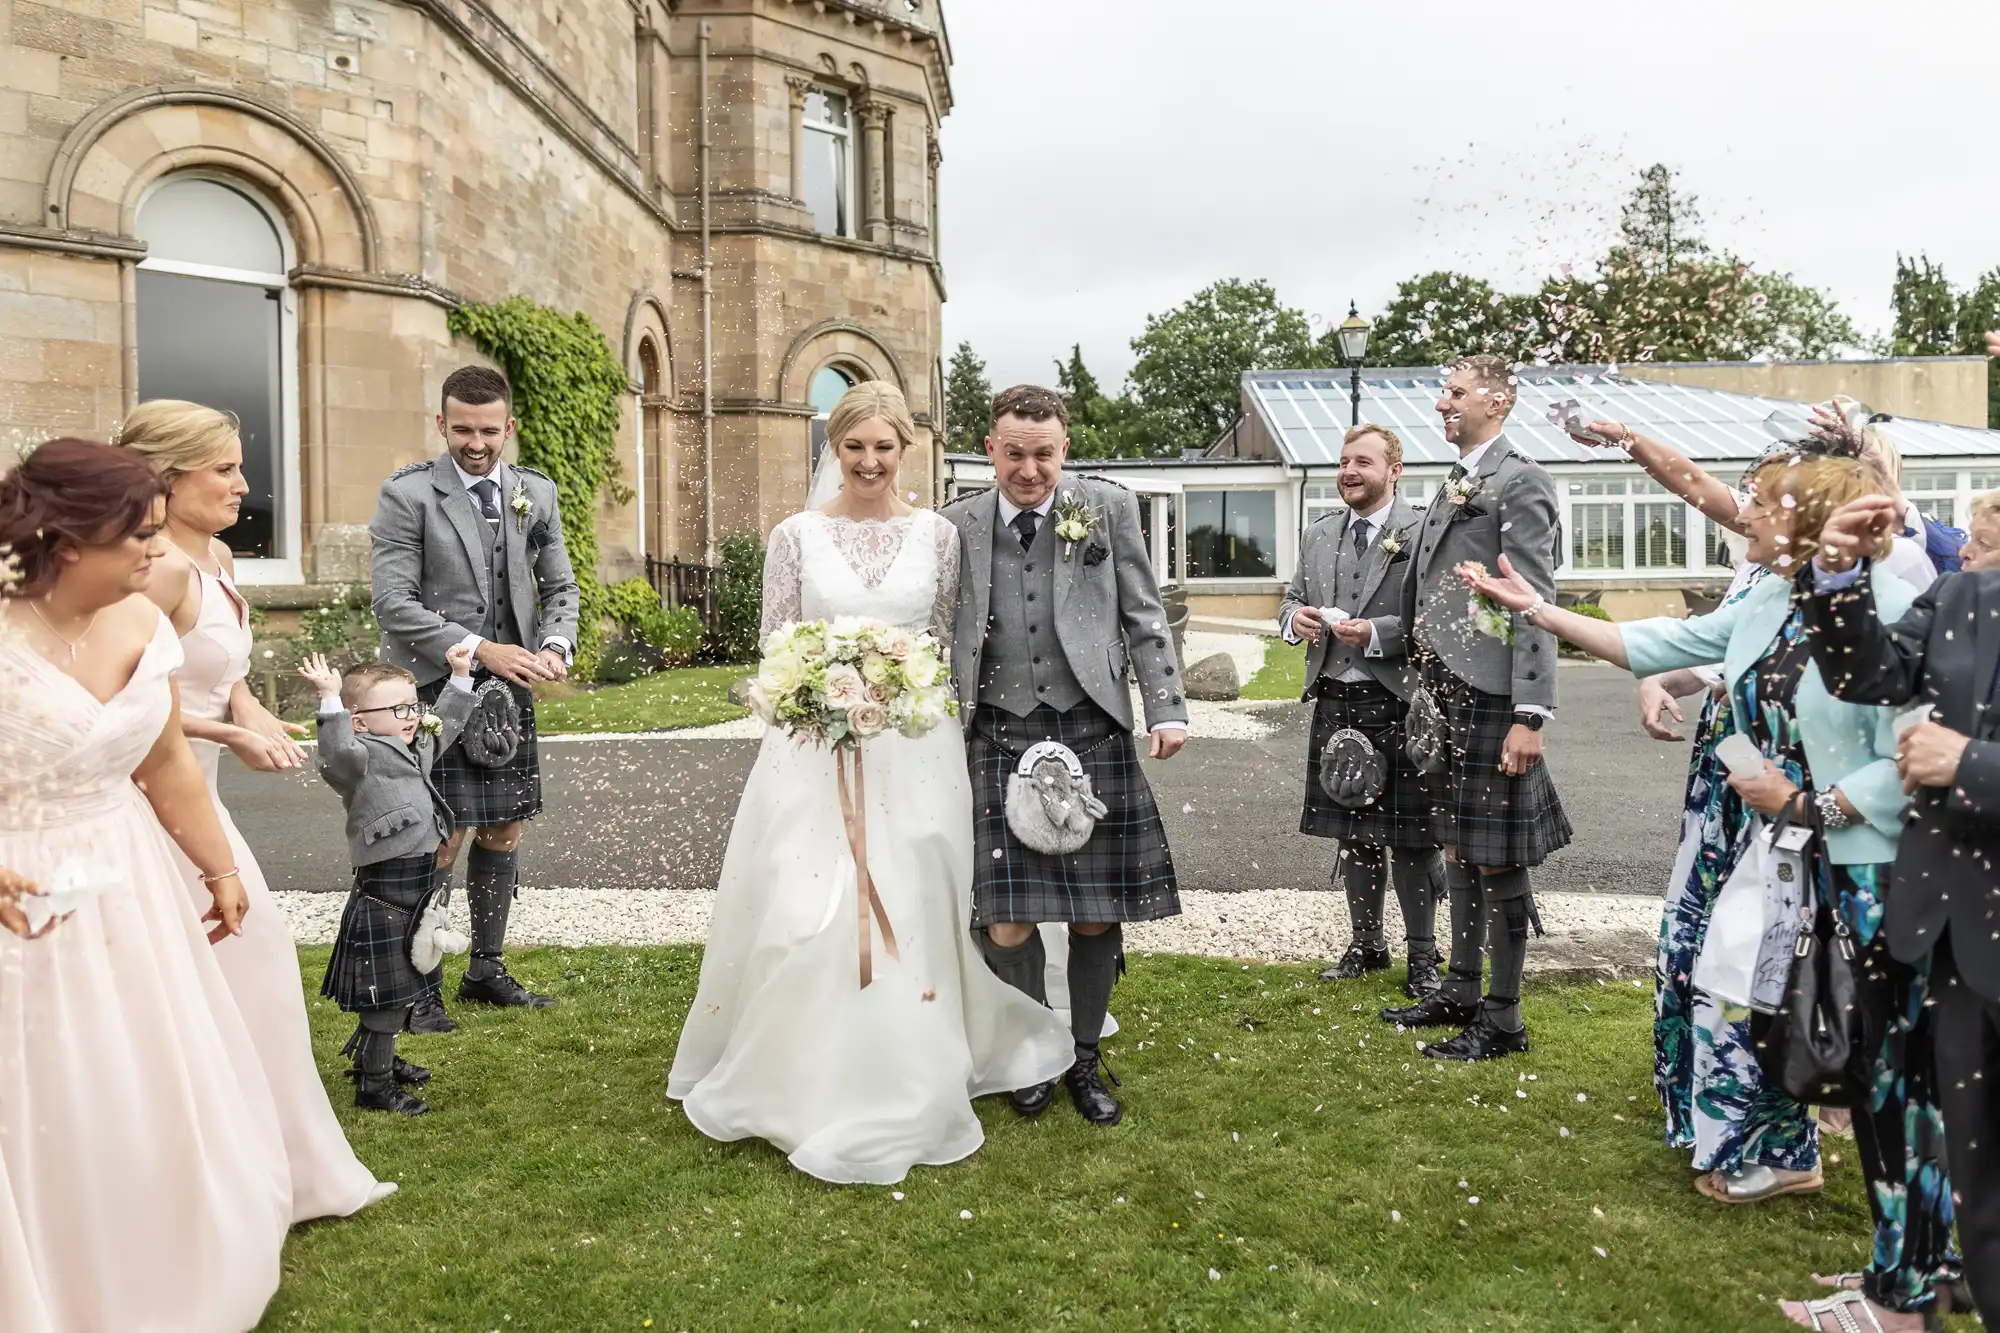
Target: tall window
pixel 1232 534
pixel 1660 531
pixel 214 328
pixel 1322 498
pixel 1597 530
pixel 829 174
pixel 829 386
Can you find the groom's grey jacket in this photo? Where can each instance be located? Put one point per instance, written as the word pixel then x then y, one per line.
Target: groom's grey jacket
pixel 1103 603
pixel 1372 588
pixel 435 565
pixel 1512 510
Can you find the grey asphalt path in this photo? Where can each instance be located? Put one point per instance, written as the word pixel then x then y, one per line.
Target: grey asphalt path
pixel 655 814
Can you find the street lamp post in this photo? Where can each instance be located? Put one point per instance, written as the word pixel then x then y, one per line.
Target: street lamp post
pixel 1353 335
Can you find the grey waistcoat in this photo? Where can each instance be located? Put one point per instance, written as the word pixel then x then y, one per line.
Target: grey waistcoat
pixel 498 624
pixel 1023 663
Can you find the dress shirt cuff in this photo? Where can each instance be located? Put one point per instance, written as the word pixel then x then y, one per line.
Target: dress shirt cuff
pixel 1535 709
pixel 1168 726
pixel 1288 634
pixel 463 684
pixel 1825 582
pixel 1374 648
pixel 331 707
pixel 561 645
pixel 471 644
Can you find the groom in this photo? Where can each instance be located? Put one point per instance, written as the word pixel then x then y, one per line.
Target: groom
pixel 1048 622
pixel 468 549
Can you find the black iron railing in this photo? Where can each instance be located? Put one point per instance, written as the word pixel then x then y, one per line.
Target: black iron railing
pixel 685 583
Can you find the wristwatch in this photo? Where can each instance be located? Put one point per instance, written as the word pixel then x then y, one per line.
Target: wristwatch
pixel 1831 816
pixel 1532 721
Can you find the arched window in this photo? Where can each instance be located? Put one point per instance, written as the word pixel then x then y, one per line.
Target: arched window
pixel 215 327
pixel 829 385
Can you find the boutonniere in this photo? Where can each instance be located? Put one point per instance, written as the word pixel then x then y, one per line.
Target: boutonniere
pixel 1392 542
pixel 432 726
pixel 1075 521
pixel 1456 493
pixel 521 505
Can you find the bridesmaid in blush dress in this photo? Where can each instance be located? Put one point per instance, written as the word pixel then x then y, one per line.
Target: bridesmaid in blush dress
pixel 143 1179
pixel 198 457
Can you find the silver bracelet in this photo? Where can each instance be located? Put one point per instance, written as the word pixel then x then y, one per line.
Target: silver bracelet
pixel 1831 816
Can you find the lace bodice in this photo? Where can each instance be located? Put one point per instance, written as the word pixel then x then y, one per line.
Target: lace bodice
pixel 65 757
pixel 901 570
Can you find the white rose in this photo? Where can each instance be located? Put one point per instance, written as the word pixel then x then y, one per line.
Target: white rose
pixel 867 719
pixel 875 669
pixel 781 673
pixel 844 687
pixel 926 712
pixel 922 671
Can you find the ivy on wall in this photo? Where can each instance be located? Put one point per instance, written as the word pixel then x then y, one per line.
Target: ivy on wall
pixel 567 384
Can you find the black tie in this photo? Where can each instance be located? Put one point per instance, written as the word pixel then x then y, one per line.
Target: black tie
pixel 1360 536
pixel 1456 475
pixel 488 491
pixel 1025 523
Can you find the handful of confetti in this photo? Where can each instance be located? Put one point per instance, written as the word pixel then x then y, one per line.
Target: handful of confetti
pixel 74 883
pixel 1488 616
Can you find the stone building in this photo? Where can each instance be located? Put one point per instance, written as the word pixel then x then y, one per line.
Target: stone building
pixel 271 205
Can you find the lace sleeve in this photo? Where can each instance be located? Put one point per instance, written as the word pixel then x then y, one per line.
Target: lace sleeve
pixel 944 612
pixel 783 596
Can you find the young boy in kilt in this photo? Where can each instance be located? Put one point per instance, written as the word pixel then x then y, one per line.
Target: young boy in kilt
pixel 376 748
pixel 1355 566
pixel 1496 808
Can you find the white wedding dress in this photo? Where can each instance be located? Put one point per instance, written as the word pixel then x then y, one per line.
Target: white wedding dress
pixel 782 1043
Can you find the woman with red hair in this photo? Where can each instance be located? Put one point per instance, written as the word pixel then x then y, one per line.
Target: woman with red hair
pixel 143 1177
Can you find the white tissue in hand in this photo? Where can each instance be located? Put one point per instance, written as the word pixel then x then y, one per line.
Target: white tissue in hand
pixel 74 883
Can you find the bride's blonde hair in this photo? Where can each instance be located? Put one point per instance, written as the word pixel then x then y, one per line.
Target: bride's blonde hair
pixel 866 402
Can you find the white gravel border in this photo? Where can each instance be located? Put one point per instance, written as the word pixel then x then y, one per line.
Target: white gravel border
pixel 1610 932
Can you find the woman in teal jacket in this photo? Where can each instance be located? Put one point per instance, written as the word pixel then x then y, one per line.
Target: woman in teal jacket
pixel 1838 759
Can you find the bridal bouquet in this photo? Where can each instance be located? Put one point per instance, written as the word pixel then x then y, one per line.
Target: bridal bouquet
pixel 1488 616
pixel 840 681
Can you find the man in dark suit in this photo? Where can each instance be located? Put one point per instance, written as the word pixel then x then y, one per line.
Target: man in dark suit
pixel 1945 898
pixel 1347 601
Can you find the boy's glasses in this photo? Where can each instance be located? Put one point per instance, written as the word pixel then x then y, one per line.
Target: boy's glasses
pixel 403 712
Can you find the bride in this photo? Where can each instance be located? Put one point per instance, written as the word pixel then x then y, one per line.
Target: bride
pixel 856 1085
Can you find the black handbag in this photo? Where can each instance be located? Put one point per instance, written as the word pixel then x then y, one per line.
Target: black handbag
pixel 1816 1046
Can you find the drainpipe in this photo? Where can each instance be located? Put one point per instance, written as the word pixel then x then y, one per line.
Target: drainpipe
pixel 707 317
pixel 1305 477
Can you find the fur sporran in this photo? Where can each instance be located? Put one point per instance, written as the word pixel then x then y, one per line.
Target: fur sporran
pixel 493 733
pixel 1423 729
pixel 1050 806
pixel 1351 770
pixel 431 935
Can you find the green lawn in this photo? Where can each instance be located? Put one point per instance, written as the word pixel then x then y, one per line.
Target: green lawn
pixel 1285 1162
pixel 1284 673
pixel 691 697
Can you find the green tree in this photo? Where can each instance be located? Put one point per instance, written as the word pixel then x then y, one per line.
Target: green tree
pixel 968 402
pixel 1438 317
pixel 1927 310
pixel 1188 380
pixel 1978 311
pixel 1100 426
pixel 1662 294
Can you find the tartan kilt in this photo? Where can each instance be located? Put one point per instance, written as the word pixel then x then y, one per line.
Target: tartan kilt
pixel 1492 819
pixel 483 797
pixel 370 968
pixel 1124 873
pixel 1401 815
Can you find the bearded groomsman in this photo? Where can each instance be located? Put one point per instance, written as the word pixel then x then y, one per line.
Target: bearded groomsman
pixel 1057 600
pixel 468 549
pixel 1354 569
pixel 1496 808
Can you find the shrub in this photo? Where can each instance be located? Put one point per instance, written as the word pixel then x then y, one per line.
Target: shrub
pixel 1591 611
pixel 342 629
pixel 739 599
pixel 673 635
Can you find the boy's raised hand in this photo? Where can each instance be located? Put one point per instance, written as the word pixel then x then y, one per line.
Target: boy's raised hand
pixel 459 658
pixel 322 677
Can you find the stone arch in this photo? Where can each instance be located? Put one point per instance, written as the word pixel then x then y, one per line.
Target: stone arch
pixel 646 321
pixel 835 343
pixel 123 146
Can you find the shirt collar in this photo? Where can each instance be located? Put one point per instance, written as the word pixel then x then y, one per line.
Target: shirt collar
pixel 467 480
pixel 1470 462
pixel 1379 517
pixel 1009 511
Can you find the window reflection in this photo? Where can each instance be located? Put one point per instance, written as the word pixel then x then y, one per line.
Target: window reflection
pixel 1232 534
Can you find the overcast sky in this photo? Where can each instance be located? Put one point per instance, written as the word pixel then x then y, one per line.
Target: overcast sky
pixel 1108 158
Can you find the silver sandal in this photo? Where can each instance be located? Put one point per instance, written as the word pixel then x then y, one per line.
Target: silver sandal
pixel 1839 1309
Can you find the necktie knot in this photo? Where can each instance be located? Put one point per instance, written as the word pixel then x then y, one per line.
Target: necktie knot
pixel 1360 530
pixel 1026 524
pixel 488 491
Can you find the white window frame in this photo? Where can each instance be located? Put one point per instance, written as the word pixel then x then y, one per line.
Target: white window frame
pixel 1284 553
pixel 848 159
pixel 289 566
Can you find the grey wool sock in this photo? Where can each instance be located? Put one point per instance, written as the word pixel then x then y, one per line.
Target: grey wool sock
pixel 1507 942
pixel 490 878
pixel 1461 982
pixel 1362 873
pixel 1093 971
pixel 1023 966
pixel 1420 882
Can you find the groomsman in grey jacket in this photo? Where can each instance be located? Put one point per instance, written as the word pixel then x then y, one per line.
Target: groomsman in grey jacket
pixel 1346 600
pixel 468 552
pixel 1496 807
